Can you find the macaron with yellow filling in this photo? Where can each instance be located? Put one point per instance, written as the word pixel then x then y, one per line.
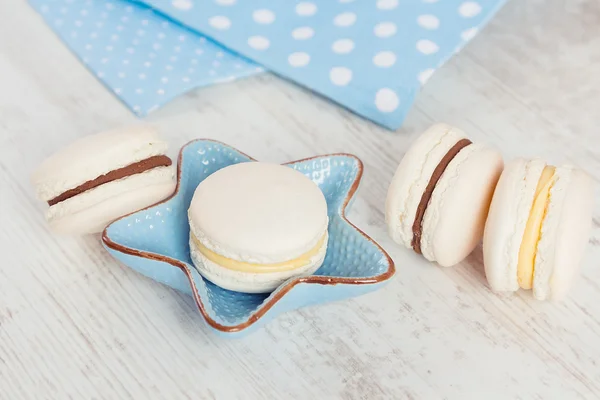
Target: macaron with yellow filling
pixel 255 225
pixel 537 228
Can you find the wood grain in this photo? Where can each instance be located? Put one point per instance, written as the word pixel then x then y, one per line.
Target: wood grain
pixel 76 324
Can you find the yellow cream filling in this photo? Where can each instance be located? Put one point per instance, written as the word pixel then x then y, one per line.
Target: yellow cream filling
pixel 533 229
pixel 242 266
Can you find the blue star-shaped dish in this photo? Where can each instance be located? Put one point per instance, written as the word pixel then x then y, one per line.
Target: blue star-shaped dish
pixel 154 242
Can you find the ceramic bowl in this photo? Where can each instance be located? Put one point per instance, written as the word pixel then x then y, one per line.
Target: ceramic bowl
pixel 154 242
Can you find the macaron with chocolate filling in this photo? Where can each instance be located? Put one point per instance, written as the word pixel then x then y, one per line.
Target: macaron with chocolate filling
pixel 102 177
pixel 439 197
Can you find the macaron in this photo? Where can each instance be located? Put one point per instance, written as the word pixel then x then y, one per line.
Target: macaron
pixel 537 228
pixel 438 200
pixel 102 177
pixel 255 225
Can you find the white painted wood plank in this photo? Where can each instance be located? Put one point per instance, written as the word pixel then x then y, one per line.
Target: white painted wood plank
pixel 75 324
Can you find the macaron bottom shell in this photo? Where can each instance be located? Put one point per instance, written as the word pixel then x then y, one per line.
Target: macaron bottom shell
pixel 92 211
pixel 252 281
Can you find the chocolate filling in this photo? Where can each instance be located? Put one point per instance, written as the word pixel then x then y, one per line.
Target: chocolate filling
pixel 417 227
pixel 132 169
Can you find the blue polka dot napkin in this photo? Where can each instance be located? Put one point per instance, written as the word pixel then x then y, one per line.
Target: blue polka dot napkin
pixel 371 56
pixel 144 58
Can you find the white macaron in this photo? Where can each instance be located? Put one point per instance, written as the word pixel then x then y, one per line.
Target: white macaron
pixel 537 229
pixel 439 196
pixel 254 225
pixel 102 177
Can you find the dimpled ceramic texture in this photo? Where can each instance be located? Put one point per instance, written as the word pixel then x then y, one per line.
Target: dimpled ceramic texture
pixel 154 242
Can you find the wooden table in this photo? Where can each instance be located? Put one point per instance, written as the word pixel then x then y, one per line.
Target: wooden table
pixel 76 324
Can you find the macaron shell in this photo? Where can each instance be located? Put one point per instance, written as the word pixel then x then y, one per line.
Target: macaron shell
pixel 95 155
pixel 92 211
pixel 455 217
pixel 506 220
pixel 259 213
pixel 565 234
pixel 411 178
pixel 250 282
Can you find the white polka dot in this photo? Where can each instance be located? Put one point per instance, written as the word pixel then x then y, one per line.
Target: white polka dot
pixel 216 64
pixel 226 2
pixel 220 22
pixel 263 16
pixel 100 74
pixel 385 29
pixel 164 79
pixel 387 4
pixel 121 75
pixel 384 59
pixel 345 19
pixel 142 76
pixel 118 90
pixel 299 59
pixel 259 42
pixel 342 46
pixel 302 33
pixel 428 21
pixel 427 46
pixel 306 9
pixel 139 91
pixel 182 4
pixel 340 76
pixel 430 1
pixel 425 75
pixel 147 64
pixel 469 9
pixel 160 91
pixel 185 79
pixel 386 100
pixel 469 34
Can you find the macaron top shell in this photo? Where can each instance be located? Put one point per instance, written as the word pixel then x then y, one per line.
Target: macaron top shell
pixel 259 213
pixel 564 235
pixel 95 155
pixel 454 221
